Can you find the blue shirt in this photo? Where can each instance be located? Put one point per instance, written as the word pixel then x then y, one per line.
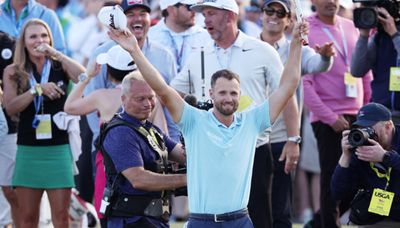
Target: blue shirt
pixel 127 148
pixel 220 158
pixel 12 25
pixel 158 56
pixel 346 181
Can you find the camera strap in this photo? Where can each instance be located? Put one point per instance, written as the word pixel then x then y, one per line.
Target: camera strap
pixel 381 201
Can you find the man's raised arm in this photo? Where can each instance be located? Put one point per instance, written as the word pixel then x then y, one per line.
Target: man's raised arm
pixel 291 74
pixel 169 97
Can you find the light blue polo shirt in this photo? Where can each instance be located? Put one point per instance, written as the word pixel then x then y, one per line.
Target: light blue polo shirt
pixel 12 25
pixel 220 158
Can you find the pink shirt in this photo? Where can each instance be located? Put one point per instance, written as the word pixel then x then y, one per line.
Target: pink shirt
pixel 325 93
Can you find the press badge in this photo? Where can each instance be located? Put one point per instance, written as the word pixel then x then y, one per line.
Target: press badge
pixel 351 85
pixel 394 81
pixel 43 130
pixel 381 202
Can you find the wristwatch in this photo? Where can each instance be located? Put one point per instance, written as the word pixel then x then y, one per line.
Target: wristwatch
pixel 82 77
pixel 296 139
pixel 33 91
pixel 386 160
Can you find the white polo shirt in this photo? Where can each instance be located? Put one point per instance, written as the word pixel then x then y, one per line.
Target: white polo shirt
pixel 257 64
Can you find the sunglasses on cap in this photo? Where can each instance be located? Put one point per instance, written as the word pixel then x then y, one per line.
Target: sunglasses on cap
pixel 177 5
pixel 271 11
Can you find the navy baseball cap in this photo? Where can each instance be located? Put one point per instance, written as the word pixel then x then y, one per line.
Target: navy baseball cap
pixel 371 114
pixel 285 3
pixel 129 4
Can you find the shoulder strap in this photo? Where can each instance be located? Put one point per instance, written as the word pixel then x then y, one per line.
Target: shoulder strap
pixel 152 137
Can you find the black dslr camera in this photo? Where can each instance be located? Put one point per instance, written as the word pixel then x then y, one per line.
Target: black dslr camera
pixel 192 100
pixel 366 17
pixel 360 136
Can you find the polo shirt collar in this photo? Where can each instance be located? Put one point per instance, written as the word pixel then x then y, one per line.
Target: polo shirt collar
pixel 233 124
pixel 239 42
pixel 280 43
pixel 133 120
pixel 28 6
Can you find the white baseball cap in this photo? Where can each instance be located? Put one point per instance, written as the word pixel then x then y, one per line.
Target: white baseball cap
pixel 113 16
pixel 165 3
pixel 230 5
pixel 117 58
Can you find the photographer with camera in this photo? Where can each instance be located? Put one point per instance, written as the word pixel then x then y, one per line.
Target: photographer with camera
pixel 370 164
pixel 136 155
pixel 380 53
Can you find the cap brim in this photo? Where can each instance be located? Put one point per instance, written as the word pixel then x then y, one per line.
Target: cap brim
pixel 364 123
pixel 188 2
pixel 102 58
pixel 138 5
pixel 199 7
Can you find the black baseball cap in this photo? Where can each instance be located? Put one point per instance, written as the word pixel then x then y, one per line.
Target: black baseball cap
pixel 129 4
pixel 285 3
pixel 371 114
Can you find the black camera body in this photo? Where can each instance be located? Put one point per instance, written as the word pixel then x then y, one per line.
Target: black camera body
pixel 366 17
pixel 204 105
pixel 359 136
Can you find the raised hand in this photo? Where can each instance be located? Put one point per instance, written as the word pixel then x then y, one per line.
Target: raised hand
pixel 48 50
pixel 326 50
pixel 387 21
pixel 124 38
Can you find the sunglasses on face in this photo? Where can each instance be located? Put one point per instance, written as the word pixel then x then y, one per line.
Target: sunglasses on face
pixel 271 11
pixel 177 5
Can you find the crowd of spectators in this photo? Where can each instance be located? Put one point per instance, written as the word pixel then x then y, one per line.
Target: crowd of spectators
pixel 58 43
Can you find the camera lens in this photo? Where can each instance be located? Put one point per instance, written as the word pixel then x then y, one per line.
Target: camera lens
pixel 368 17
pixel 365 18
pixel 358 137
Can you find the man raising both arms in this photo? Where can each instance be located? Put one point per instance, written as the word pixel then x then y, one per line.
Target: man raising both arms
pixel 220 143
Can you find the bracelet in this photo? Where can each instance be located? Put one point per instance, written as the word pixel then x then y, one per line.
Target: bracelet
pixel 59 56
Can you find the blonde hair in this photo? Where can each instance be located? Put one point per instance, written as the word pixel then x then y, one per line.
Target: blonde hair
pixel 22 63
pixel 128 79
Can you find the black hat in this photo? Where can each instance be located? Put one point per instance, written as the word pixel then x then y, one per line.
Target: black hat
pixel 285 3
pixel 129 4
pixel 371 114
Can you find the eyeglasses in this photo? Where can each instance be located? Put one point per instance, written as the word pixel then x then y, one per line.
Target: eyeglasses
pixel 177 5
pixel 271 11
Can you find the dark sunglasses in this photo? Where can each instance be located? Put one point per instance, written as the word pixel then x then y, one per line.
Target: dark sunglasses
pixel 177 5
pixel 271 11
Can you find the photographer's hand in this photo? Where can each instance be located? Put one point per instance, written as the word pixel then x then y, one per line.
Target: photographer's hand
pixel 344 160
pixel 340 124
pixel 371 153
pixel 387 21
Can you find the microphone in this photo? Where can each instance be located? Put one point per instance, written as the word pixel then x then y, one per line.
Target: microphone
pixel 190 99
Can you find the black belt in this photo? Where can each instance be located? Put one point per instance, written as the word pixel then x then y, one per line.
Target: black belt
pixel 220 217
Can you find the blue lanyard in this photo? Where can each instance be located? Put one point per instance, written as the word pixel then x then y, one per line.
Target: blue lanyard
pixel 19 22
pixel 177 52
pixel 343 52
pixel 38 100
